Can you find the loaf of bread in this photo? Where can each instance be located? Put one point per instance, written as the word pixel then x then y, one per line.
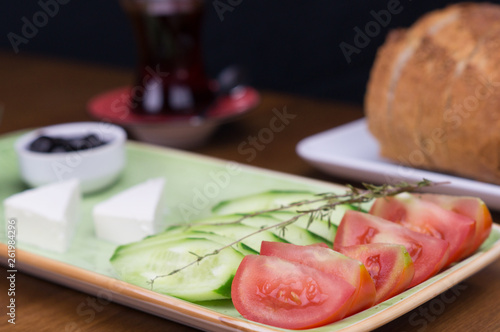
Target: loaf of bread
pixel 433 97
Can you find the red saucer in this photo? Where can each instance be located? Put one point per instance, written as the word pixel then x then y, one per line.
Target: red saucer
pixel 112 106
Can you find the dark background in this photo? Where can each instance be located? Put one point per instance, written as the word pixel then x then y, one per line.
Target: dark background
pixel 290 46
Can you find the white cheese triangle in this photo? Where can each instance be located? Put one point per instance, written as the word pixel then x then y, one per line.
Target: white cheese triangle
pixel 131 214
pixel 46 216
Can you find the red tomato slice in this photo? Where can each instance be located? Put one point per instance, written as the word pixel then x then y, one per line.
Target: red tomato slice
pixel 428 218
pixel 471 207
pixel 389 265
pixel 331 262
pixel 429 254
pixel 289 295
pixel 319 244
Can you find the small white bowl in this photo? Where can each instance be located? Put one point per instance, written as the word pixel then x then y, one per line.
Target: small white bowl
pixel 96 168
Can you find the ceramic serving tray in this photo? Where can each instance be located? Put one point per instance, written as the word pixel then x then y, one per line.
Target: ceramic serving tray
pixel 193 184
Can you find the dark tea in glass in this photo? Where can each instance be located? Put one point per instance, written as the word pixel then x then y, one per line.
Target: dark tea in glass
pixel 170 76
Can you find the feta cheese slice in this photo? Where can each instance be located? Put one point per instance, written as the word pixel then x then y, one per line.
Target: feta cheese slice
pixel 131 214
pixel 46 216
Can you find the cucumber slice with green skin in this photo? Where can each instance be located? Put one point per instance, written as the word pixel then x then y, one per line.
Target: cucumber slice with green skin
pixel 291 233
pixel 262 201
pixel 225 226
pixel 223 240
pixel 219 225
pixel 318 227
pixel 274 199
pixel 238 231
pixel 181 233
pixel 209 279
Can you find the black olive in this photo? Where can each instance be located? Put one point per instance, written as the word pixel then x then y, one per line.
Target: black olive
pixel 93 140
pixel 59 148
pixel 59 144
pixel 79 144
pixel 42 144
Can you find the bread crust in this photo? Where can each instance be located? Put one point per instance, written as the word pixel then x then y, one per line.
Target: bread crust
pixel 433 97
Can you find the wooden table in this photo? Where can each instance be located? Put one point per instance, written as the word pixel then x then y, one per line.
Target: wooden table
pixel 35 92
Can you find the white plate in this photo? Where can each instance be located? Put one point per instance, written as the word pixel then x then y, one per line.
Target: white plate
pixel 352 152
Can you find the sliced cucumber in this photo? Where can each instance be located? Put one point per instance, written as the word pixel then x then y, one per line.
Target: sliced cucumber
pixel 291 233
pixel 209 279
pixel 262 201
pixel 318 227
pixel 239 231
pixel 141 262
pixel 223 240
pixel 274 199
pixel 334 216
pixel 277 198
pixel 181 233
pixel 226 226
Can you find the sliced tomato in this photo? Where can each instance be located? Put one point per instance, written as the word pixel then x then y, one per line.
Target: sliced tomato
pixel 429 218
pixel 289 295
pixel 389 265
pixel 319 244
pixel 471 207
pixel 429 254
pixel 331 262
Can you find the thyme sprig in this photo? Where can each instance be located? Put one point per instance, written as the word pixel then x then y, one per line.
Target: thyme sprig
pixel 352 195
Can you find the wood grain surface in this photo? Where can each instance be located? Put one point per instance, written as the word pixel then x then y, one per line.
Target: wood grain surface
pixel 36 91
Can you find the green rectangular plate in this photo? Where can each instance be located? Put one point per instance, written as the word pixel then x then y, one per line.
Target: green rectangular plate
pixel 194 183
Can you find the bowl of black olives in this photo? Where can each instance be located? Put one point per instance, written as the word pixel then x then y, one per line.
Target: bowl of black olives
pixel 93 152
